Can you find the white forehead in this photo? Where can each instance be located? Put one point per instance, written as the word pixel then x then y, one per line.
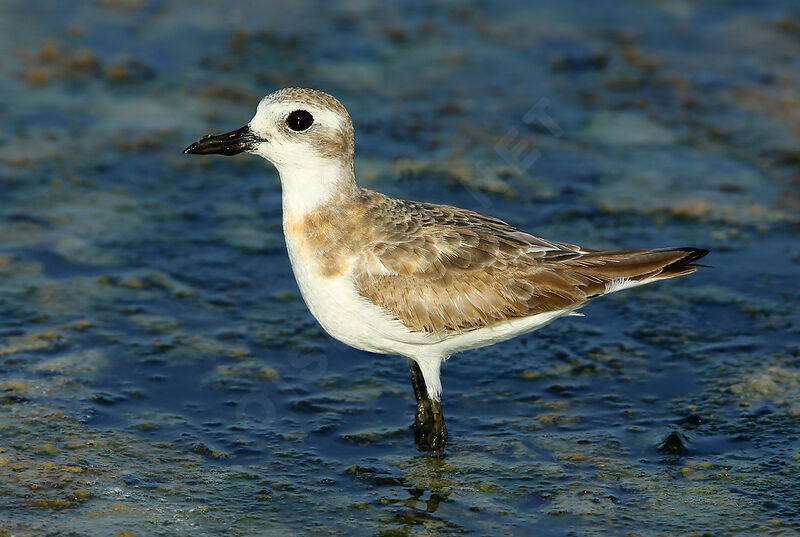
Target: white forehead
pixel 276 107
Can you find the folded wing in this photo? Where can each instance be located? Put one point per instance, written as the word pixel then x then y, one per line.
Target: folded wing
pixel 440 269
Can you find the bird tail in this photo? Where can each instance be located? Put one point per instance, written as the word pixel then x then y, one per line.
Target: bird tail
pixel 614 271
pixel 683 265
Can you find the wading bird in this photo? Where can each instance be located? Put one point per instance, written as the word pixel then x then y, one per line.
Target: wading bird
pixel 415 279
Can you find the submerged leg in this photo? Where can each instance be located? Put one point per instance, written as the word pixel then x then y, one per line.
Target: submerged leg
pixel 430 433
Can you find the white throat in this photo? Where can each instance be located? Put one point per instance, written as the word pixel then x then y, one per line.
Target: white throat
pixel 308 188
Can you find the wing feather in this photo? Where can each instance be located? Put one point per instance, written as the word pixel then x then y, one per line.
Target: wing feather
pixel 444 269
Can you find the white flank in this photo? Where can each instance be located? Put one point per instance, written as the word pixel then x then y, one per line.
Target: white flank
pixel 619 284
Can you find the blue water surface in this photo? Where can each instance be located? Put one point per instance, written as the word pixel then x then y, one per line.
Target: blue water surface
pixel 160 374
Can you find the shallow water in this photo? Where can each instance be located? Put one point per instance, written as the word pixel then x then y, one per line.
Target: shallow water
pixel 160 375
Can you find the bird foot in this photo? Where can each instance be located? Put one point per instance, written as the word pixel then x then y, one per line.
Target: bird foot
pixel 430 433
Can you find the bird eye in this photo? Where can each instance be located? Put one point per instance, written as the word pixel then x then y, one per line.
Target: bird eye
pixel 299 120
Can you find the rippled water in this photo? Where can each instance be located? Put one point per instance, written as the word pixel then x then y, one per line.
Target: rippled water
pixel 160 375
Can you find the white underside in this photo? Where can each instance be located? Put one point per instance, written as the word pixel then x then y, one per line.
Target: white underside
pixel 355 321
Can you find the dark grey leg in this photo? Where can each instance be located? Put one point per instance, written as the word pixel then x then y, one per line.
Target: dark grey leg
pixel 430 433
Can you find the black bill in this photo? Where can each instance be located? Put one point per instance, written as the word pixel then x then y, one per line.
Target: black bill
pixel 230 143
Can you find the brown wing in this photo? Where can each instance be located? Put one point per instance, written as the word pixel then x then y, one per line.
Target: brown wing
pixel 440 269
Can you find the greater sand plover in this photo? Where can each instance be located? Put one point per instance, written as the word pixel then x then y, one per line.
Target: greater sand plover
pixel 415 279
